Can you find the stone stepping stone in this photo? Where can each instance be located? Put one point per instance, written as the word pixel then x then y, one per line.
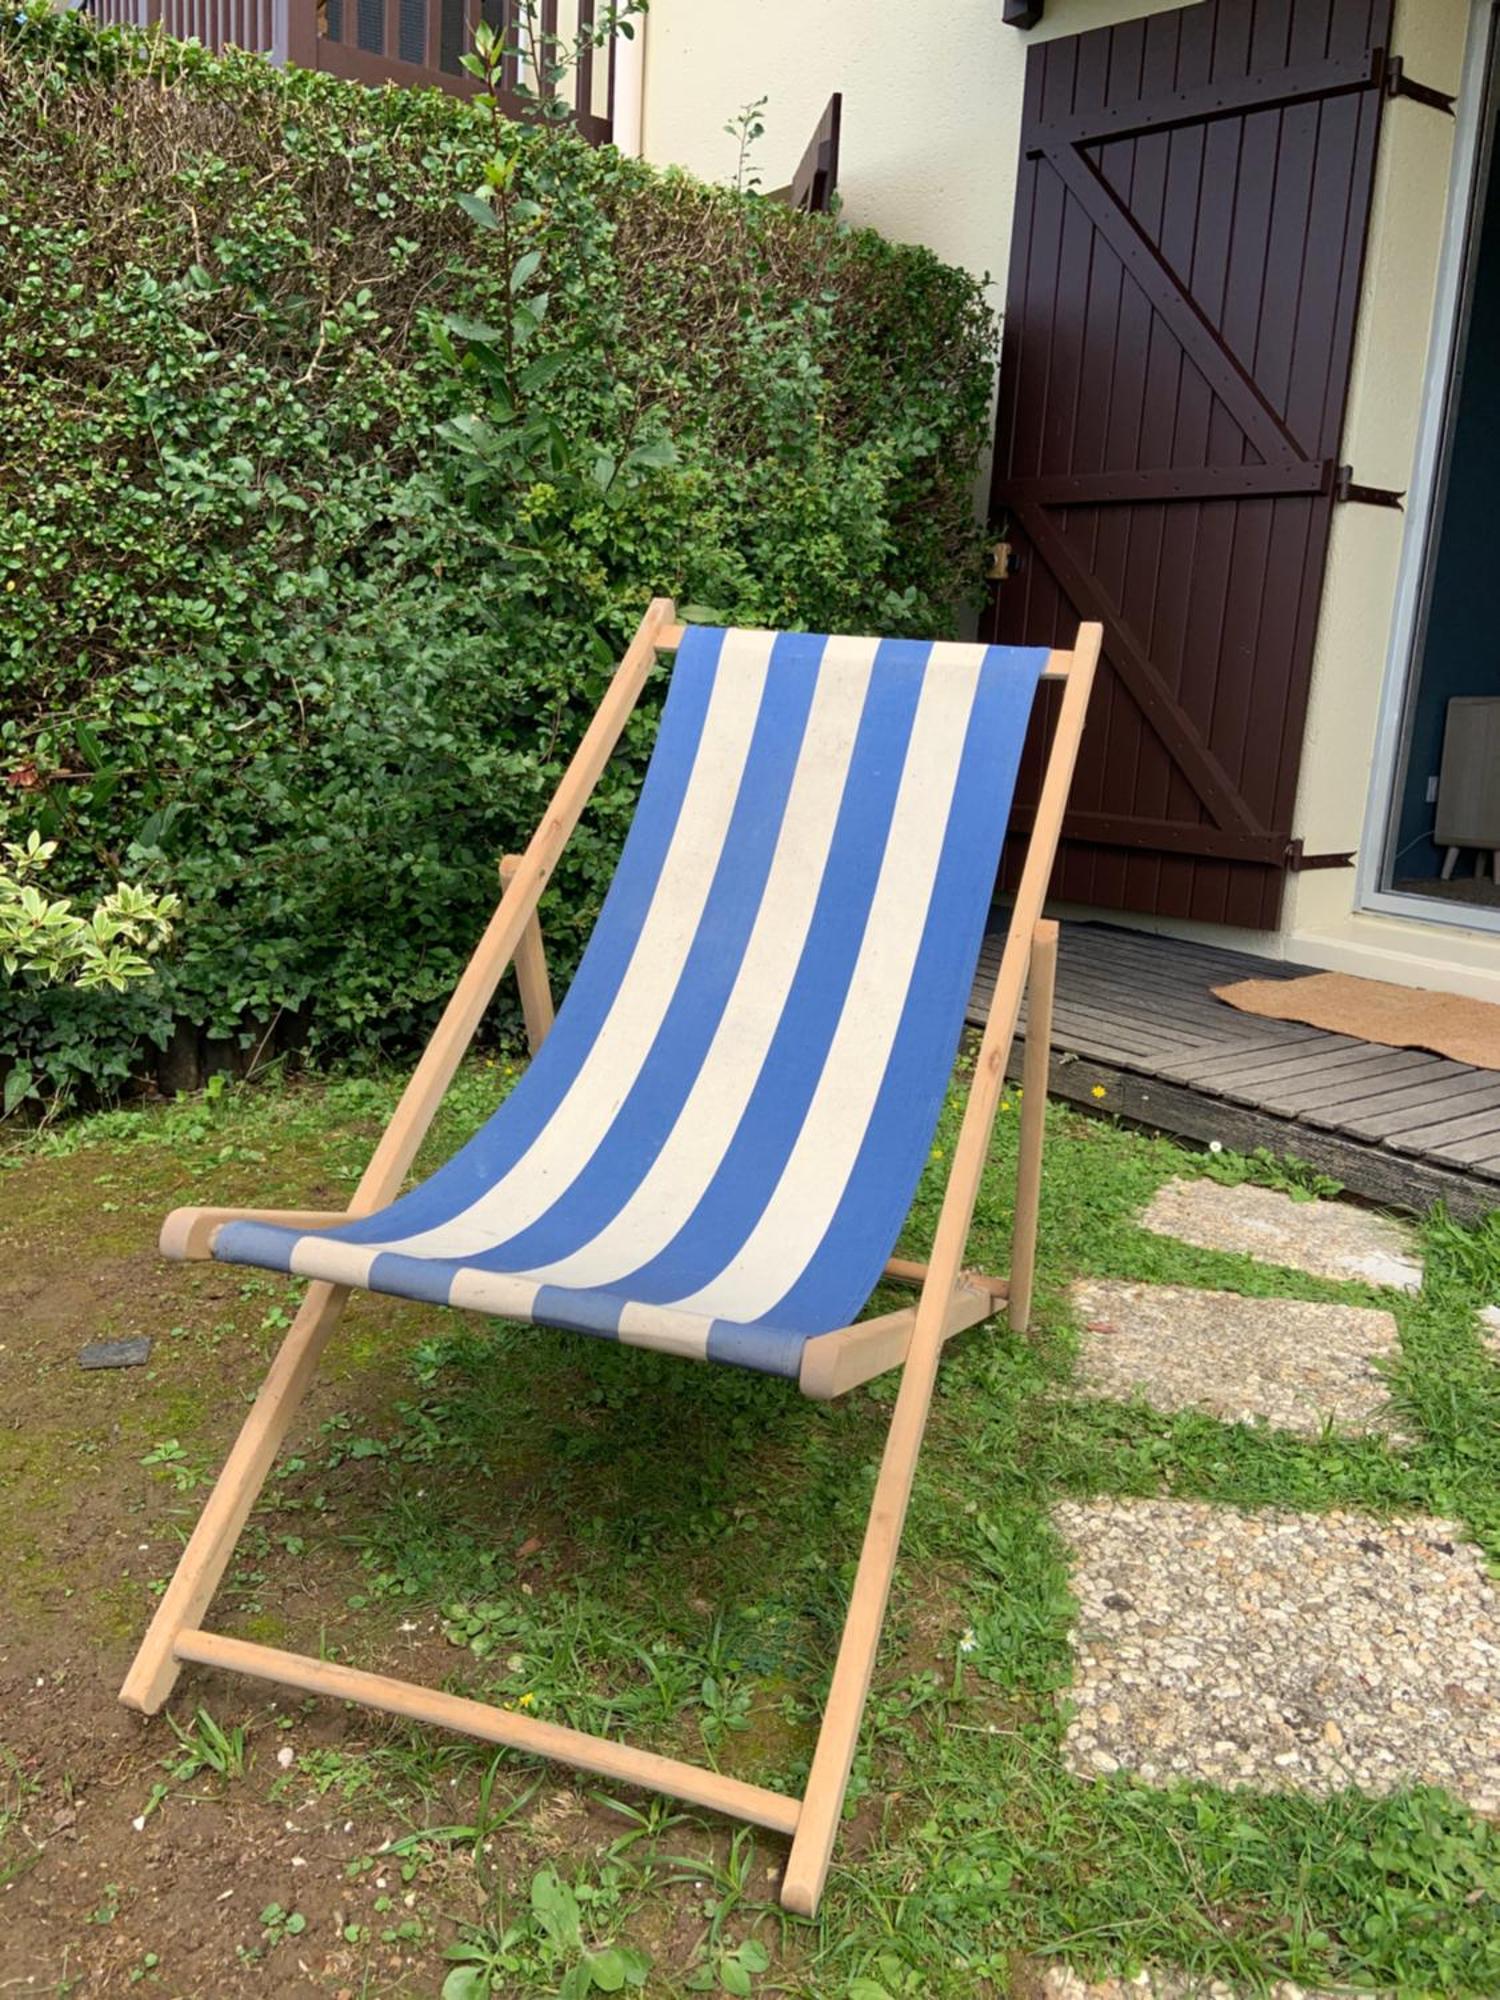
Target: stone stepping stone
pixel 1060 1982
pixel 1327 1239
pixel 1300 1366
pixel 1287 1652
pixel 1489 1329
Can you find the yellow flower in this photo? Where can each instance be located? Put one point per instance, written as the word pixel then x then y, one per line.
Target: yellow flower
pixel 1098 1091
pixel 527 1701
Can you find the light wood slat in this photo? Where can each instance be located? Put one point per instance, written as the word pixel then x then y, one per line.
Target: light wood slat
pixel 1149 967
pixel 1461 1095
pixel 1183 1010
pixel 1217 963
pixel 1253 1066
pixel 1123 1001
pixel 1437 1137
pixel 1442 1079
pixel 599 1754
pixel 1352 1077
pixel 1290 1099
pixel 1226 1067
pixel 1482 1152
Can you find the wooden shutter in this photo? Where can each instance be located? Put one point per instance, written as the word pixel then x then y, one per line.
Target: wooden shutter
pixel 817 174
pixel 1189 236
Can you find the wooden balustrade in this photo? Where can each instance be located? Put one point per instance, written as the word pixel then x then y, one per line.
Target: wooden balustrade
pixel 417 43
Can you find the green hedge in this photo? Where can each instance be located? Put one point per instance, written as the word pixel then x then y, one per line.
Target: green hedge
pixel 274 634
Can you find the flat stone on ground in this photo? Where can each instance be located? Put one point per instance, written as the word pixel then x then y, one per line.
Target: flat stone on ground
pixel 1489 1329
pixel 1327 1239
pixel 1288 1652
pixel 1298 1365
pixel 1060 1982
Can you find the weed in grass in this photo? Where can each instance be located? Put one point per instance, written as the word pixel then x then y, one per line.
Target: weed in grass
pixel 277 1924
pixel 206 1746
pixel 18 1852
pixel 546 1940
pixel 170 1459
pixel 1262 1168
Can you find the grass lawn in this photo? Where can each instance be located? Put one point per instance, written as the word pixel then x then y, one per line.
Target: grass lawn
pixel 626 1543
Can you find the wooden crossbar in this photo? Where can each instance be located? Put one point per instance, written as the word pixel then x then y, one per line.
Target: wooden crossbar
pixel 528 1733
pixel 949 1298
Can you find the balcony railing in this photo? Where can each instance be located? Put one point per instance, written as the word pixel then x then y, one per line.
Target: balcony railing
pixel 413 42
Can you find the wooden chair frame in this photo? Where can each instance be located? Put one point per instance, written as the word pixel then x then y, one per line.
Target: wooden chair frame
pixel 949 1299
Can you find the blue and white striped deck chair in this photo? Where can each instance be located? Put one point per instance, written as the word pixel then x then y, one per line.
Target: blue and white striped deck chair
pixel 713 1151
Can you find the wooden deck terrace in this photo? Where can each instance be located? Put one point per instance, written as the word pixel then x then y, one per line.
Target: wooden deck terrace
pixel 1136 1015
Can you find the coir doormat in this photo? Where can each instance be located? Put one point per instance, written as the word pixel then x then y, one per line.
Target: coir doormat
pixel 1402 1017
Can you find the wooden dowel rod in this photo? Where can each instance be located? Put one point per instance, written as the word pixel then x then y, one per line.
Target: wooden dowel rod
pixel 599 1754
pixel 906 1271
pixel 1041 987
pixel 531 970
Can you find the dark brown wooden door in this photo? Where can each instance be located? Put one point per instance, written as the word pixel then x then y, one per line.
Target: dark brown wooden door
pixel 1189 236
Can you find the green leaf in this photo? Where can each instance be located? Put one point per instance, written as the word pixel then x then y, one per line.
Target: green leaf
pixel 525 267
pixel 472 329
pixel 655 452
pixel 556 1909
pixel 18 1085
pixel 607 1969
pixel 754 1956
pixel 537 374
pixel 467 1982
pixel 866 1989
pixel 479 210
pixel 734 1978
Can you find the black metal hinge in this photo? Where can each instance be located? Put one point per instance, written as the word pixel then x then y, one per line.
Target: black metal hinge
pixel 1298 863
pixel 1023 13
pixel 1344 488
pixel 1397 83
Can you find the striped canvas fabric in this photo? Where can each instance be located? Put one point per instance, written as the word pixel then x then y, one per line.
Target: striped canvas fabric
pixel 715 1148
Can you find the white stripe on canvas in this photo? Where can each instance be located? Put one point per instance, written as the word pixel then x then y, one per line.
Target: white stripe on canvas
pixel 571 1136
pixel 796 1218
pixel 666 1330
pixel 711 1113
pixel 325 1257
pixel 493 1292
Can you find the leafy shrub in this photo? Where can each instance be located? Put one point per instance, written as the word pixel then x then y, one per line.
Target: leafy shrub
pixel 274 634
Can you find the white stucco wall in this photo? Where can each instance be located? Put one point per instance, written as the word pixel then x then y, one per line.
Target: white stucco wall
pixel 932 104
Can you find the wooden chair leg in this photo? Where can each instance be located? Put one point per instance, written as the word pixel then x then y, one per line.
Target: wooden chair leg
pixel 531 970
pixel 818 1822
pixel 1041 987
pixel 153 1673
